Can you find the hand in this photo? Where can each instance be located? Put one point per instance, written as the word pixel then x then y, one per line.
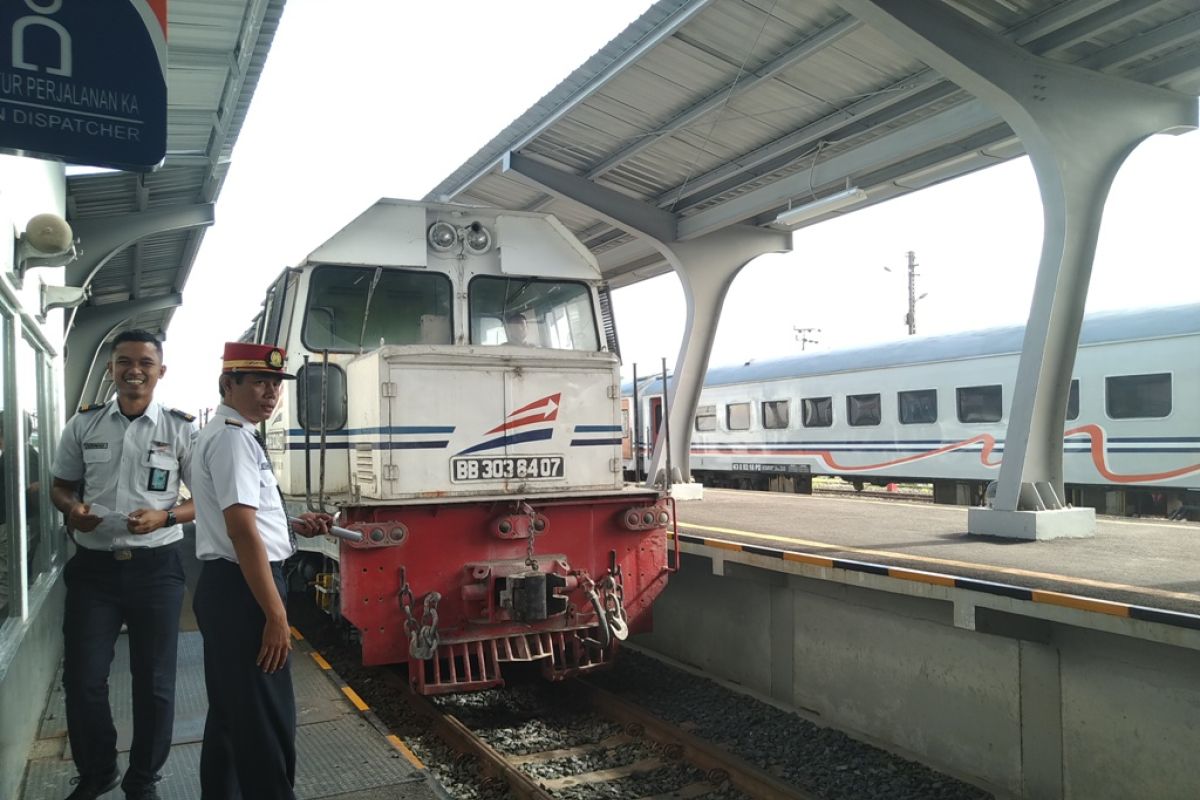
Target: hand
pixel 81 518
pixel 146 520
pixel 312 523
pixel 276 644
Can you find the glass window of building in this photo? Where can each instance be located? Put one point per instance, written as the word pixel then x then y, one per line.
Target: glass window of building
pixel 737 416
pixel 818 412
pixel 1134 396
pixel 863 409
pixel 353 308
pixel 33 488
pixel 980 403
pixel 532 312
pixel 917 407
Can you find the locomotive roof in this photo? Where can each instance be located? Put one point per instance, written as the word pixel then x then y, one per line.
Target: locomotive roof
pixel 1098 328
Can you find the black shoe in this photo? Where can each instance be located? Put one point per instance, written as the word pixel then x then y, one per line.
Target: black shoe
pixel 142 793
pixel 89 787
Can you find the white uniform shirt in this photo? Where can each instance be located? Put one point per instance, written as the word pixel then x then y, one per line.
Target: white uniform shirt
pixel 126 465
pixel 232 469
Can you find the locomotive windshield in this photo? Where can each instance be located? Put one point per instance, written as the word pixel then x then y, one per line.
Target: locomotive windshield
pixel 355 308
pixel 537 313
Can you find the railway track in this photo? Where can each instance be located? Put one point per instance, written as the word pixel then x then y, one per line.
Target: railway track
pixel 577 740
pixel 879 494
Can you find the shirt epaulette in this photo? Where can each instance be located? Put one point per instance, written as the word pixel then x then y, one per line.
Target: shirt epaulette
pixel 233 422
pixel 91 407
pixel 183 415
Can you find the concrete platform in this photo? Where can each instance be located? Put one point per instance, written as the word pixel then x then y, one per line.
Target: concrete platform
pixel 342 752
pixel 1141 562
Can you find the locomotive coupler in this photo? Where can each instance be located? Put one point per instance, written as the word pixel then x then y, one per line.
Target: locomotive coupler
pixel 533 596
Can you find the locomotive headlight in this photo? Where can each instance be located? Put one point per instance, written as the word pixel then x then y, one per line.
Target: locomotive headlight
pixel 478 238
pixel 442 236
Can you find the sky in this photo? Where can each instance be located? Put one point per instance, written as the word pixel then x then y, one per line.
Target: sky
pixel 362 99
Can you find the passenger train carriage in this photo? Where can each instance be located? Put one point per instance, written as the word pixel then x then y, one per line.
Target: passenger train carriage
pixel 481 464
pixel 936 408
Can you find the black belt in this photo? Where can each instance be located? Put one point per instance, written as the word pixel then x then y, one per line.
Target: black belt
pixel 128 553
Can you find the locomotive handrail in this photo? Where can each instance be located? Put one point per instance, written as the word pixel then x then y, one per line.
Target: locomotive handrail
pixel 308 503
pixel 324 425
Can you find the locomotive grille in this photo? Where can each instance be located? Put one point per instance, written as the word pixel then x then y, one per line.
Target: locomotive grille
pixel 364 464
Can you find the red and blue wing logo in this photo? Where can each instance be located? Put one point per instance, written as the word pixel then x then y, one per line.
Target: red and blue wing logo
pixel 527 424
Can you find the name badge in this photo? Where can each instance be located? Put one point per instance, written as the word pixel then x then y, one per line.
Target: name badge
pixel 159 479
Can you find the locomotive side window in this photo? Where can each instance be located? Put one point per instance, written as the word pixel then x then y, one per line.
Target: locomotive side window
pixel 980 403
pixel 863 409
pixel 917 407
pixel 737 416
pixel 533 313
pixel 706 418
pixel 1132 396
pixel 350 308
pixel 775 414
pixel 308 393
pixel 1073 400
pixel 818 412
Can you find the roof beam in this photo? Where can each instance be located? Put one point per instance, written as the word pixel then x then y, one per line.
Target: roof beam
pixel 1092 25
pixel 805 137
pixel 619 209
pixel 953 124
pixel 105 236
pixel 1148 43
pixel 719 98
pixel 1181 64
pixel 1058 17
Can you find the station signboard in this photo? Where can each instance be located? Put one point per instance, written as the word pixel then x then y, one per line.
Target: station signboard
pixel 84 81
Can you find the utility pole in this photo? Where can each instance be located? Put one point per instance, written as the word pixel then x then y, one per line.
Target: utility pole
pixel 910 319
pixel 803 338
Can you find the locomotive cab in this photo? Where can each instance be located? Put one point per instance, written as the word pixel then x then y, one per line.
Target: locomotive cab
pixel 458 403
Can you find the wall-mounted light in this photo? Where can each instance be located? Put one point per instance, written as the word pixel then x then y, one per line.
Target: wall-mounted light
pixel 62 297
pixel 830 203
pixel 47 241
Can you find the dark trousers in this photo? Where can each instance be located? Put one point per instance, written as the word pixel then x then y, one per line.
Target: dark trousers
pixel 146 594
pixel 249 750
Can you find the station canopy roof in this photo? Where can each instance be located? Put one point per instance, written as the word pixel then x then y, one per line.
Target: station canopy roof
pixel 728 111
pixel 216 50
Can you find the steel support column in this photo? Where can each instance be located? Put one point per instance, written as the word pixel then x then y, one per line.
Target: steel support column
pixel 1078 127
pixel 706 266
pixel 93 324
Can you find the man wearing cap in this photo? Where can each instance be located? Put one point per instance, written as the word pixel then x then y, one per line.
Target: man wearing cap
pixel 127 456
pixel 243 536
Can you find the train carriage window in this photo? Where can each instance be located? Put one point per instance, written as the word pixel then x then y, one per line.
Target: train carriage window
pixel 1134 396
pixel 737 416
pixel 863 409
pixel 308 394
pixel 775 414
pixel 350 308
pixel 1073 400
pixel 917 407
pixel 817 412
pixel 980 403
pixel 533 313
pixel 706 418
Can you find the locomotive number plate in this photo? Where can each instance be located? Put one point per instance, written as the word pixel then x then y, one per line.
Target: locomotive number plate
pixel 501 468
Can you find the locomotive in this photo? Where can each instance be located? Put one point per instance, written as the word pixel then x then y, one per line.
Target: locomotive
pixel 935 409
pixel 457 403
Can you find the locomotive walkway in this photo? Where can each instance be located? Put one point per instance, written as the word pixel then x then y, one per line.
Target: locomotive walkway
pixel 342 751
pixel 1151 563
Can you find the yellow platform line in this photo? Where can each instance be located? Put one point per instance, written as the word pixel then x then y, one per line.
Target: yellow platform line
pixel 944 562
pixel 297 635
pixel 399 744
pixel 355 699
pixel 321 662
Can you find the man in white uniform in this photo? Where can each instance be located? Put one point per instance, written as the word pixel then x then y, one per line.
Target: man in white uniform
pixel 243 536
pixel 127 456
